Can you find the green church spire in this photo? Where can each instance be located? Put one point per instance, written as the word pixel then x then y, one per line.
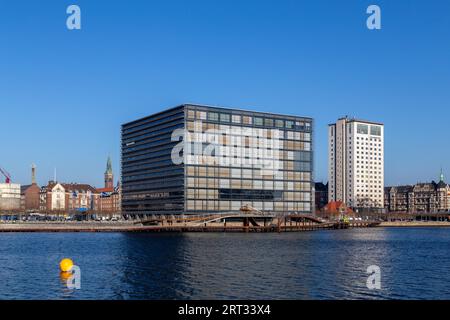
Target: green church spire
pixel 109 169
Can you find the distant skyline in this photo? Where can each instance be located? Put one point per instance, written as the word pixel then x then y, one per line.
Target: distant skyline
pixel 64 94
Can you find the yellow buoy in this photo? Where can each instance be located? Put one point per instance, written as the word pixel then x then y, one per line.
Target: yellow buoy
pixel 66 265
pixel 65 275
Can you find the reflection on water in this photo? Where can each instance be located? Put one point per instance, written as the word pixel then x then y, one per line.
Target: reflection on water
pixel 309 265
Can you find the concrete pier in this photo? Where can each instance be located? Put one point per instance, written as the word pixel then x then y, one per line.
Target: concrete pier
pixel 283 226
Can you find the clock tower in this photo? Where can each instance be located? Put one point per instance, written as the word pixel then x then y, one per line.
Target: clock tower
pixel 109 176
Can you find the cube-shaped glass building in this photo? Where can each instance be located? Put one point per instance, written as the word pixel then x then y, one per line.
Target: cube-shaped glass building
pixel 196 159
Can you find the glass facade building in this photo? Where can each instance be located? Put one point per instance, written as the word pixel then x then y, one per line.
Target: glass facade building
pixel 195 159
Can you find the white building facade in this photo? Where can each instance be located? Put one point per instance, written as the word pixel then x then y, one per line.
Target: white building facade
pixel 356 163
pixel 58 198
pixel 9 196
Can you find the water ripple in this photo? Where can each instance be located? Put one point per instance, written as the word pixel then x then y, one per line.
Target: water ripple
pixel 310 265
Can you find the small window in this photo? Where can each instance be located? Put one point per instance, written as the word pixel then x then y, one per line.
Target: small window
pixel 236 118
pixel 279 123
pixel 259 121
pixel 247 120
pixel 191 114
pixel 201 115
pixel 375 130
pixel 362 128
pixel 289 124
pixel 300 125
pixel 225 117
pixel 268 122
pixel 213 116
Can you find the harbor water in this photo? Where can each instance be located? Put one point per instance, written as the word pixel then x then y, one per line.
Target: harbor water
pixel 328 264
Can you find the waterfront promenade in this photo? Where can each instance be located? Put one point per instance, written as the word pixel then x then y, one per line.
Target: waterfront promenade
pixel 174 227
pixel 72 226
pixel 293 223
pixel 130 226
pixel 415 224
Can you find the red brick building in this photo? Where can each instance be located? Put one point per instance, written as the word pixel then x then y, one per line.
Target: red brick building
pixel 29 194
pixel 335 210
pixel 68 197
pixel 73 197
pixel 29 197
pixel 109 197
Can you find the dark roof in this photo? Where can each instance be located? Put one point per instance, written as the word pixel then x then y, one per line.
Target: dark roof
pixel 425 186
pixel 78 187
pixel 357 120
pixel 399 189
pixel 73 187
pixel 441 184
pixel 320 186
pixel 228 109
pixel 224 109
pixel 26 187
pixel 404 189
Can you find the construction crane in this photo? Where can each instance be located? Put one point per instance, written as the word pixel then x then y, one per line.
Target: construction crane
pixel 6 174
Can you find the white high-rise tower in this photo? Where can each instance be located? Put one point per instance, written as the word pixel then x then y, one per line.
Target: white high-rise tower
pixel 356 163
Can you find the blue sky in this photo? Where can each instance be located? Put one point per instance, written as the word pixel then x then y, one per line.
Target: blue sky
pixel 64 94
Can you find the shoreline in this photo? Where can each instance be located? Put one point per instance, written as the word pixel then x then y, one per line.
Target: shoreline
pixel 414 224
pixel 130 227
